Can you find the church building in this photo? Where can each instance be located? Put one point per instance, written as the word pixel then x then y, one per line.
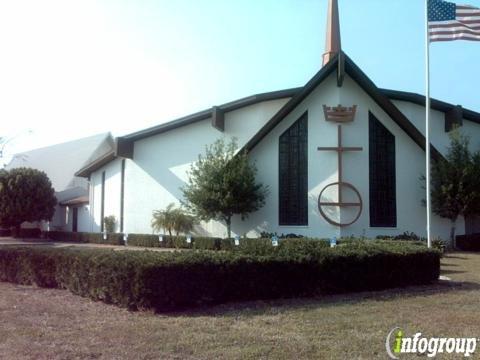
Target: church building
pixel 340 157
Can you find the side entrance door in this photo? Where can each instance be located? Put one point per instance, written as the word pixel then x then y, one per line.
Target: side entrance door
pixel 75 219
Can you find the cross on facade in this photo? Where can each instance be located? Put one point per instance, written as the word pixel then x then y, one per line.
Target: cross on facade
pixel 340 149
pixel 340 115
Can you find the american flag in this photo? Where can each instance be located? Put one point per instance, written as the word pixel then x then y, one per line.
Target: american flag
pixel 448 21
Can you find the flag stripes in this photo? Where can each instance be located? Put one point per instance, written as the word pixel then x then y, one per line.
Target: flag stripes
pixel 448 22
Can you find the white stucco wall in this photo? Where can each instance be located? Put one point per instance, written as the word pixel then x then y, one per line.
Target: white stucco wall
pixel 322 169
pixel 410 166
pixel 112 194
pixel 83 219
pixel 153 179
pixel 438 136
pixel 159 168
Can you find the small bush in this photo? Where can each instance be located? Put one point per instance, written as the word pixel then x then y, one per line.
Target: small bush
pixel 175 280
pixel 407 236
pixel 109 222
pixel 269 235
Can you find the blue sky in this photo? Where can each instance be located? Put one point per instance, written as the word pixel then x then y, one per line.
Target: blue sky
pixel 74 68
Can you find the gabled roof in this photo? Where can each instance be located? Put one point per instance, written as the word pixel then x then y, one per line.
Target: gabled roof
pixel 434 103
pixel 343 64
pixel 205 114
pixel 98 162
pixel 60 161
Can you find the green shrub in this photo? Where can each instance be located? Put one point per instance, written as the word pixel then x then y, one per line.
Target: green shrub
pixel 179 242
pixel 84 237
pixel 286 246
pixel 109 223
pixel 408 236
pixel 146 240
pixel 32 233
pixel 66 236
pixel 207 243
pixel 174 280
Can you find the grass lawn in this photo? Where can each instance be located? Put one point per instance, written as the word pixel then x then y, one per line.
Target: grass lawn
pixel 45 324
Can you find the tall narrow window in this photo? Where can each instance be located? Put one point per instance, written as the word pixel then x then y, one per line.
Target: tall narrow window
pixel 122 195
pixel 383 199
pixel 293 174
pixel 102 208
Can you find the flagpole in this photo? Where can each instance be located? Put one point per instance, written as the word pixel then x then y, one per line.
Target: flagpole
pixel 427 122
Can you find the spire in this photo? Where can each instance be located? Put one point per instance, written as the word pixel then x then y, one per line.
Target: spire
pixel 333 43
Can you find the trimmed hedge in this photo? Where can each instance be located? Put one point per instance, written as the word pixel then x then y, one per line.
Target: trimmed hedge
pixel 32 233
pixel 5 232
pixel 469 242
pixel 149 240
pixel 85 237
pixel 177 242
pixel 177 280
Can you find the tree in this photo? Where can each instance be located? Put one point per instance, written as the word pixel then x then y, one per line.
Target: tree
pixel 25 195
pixel 222 184
pixel 455 181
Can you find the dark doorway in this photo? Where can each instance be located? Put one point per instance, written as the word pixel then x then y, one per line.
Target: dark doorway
pixel 75 219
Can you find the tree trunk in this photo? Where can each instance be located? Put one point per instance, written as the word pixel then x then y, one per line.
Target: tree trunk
pixel 228 220
pixel 452 232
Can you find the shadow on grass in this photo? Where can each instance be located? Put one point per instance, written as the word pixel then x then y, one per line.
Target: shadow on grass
pixel 450 272
pixel 449 265
pixel 258 308
pixel 447 256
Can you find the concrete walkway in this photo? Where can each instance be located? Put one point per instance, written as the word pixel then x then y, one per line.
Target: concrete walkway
pixel 37 242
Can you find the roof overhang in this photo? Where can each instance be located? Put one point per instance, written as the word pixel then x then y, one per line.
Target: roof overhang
pixel 124 144
pixel 341 63
pixel 434 103
pixel 98 163
pixel 81 200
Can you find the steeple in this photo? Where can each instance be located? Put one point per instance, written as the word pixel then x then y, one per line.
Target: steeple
pixel 333 43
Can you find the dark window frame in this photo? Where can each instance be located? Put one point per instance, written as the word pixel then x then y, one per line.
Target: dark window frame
pixel 382 175
pixel 293 174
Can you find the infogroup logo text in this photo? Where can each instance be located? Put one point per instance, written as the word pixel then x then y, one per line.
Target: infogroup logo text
pixel 397 343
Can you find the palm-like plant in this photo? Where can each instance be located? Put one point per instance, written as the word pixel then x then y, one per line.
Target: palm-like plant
pixel 164 219
pixel 183 222
pixel 172 220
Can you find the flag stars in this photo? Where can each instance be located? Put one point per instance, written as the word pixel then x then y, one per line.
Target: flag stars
pixel 441 10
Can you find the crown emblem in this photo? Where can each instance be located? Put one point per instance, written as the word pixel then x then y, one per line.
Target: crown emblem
pixel 339 114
